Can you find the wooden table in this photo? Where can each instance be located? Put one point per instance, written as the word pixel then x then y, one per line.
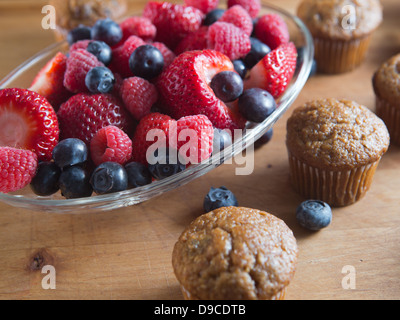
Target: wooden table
pixel 126 254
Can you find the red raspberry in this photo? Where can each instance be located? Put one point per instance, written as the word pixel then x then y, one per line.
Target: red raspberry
pixel 204 5
pixel 111 144
pixel 17 168
pixel 195 150
pixel 138 26
pixel 229 40
pixel 140 141
pixel 120 61
pixel 138 95
pixel 194 41
pixel 173 22
pixel 272 30
pixel 168 55
pixel 82 44
pixel 251 6
pixel 79 63
pixel 85 114
pixel 239 17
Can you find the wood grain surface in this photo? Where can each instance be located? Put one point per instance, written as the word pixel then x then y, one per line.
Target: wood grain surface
pixel 126 254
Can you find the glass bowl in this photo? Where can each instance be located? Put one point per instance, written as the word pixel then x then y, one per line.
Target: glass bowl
pixel 22 77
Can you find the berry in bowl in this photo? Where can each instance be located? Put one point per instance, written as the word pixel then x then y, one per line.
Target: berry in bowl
pixel 131 110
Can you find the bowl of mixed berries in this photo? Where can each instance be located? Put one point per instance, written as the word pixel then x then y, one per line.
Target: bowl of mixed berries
pixel 124 111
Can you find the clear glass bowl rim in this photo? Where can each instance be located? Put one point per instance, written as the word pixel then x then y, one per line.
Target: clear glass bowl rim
pixel 138 195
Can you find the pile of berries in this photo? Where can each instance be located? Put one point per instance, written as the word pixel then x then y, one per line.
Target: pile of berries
pixel 180 78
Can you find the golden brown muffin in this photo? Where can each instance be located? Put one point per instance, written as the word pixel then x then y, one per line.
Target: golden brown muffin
pixel 341 30
pixel 72 13
pixel 334 149
pixel 235 254
pixel 386 82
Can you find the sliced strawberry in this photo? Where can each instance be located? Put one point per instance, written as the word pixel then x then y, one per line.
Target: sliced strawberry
pixel 49 81
pixel 272 30
pixel 28 121
pixel 275 71
pixel 185 90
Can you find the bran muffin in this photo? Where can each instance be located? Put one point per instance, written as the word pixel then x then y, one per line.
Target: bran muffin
pixel 334 149
pixel 235 253
pixel 72 13
pixel 386 83
pixel 342 31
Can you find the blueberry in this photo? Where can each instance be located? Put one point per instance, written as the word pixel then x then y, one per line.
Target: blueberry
pixel 138 174
pixel 165 163
pixel 108 31
pixel 265 138
pixel 100 80
pixel 101 50
pixel 222 139
pixel 218 198
pixel 300 60
pixel 79 33
pixel 45 182
pixel 146 62
pixel 227 85
pixel 314 215
pixel 258 51
pixel 256 105
pixel 213 16
pixel 240 68
pixel 314 68
pixel 74 183
pixel 109 177
pixel 70 152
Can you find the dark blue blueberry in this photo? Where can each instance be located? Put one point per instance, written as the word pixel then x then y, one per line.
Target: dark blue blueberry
pixel 74 183
pixel 138 174
pixel 265 138
pixel 258 51
pixel 109 177
pixel 227 86
pixel 70 152
pixel 253 33
pixel 146 62
pixel 218 198
pixel 300 61
pixel 108 31
pixel 100 80
pixel 101 50
pixel 222 139
pixel 213 16
pixel 165 163
pixel 45 182
pixel 256 105
pixel 79 33
pixel 314 215
pixel 240 68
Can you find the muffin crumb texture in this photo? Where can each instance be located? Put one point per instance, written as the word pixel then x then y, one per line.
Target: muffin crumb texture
pixel 235 254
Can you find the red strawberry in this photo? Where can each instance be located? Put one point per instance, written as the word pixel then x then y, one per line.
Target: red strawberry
pixel 229 40
pixel 138 95
pixel 28 121
pixel 272 30
pixel 141 141
pixel 110 144
pixel 168 55
pixel 85 114
pixel 239 17
pixel 193 41
pixel 204 5
pixel 79 63
pixel 138 26
pixel 184 88
pixel 275 71
pixel 49 82
pixel 199 133
pixel 173 21
pixel 251 6
pixel 120 61
pixel 17 168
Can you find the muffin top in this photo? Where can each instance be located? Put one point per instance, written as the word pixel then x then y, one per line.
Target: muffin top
pixel 332 19
pixel 235 253
pixel 386 81
pixel 336 134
